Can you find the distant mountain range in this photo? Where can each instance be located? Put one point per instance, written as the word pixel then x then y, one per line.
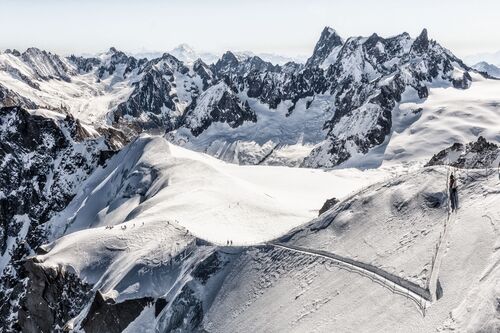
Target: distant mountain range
pixel 491 57
pixel 189 55
pixel 488 68
pixel 242 108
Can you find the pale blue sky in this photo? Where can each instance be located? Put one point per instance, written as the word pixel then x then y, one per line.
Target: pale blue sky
pixel 287 27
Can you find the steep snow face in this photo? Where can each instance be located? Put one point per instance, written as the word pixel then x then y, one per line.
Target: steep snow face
pixel 401 221
pixel 447 116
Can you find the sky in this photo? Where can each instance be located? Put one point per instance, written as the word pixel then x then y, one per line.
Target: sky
pixel 289 27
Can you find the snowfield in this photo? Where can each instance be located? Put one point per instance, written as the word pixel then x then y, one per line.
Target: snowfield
pixel 140 226
pixel 153 180
pixel 422 127
pixel 302 292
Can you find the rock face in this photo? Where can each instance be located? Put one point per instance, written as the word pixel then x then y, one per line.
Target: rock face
pixel 53 297
pixel 474 155
pixel 44 160
pixel 218 104
pixel 107 316
pixel 329 42
pixel 161 95
pixel 46 65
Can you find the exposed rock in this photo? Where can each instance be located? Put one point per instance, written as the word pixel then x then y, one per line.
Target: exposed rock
pixel 52 298
pixel 44 162
pixel 474 155
pixel 107 316
pixel 329 203
pixel 218 104
pixel 328 41
pixel 84 65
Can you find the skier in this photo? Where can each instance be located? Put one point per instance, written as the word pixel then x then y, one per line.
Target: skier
pixel 453 193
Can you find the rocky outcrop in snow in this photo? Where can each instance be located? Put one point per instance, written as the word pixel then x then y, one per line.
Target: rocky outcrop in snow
pixel 480 154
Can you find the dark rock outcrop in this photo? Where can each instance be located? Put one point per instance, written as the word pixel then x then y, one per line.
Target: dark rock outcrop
pixel 44 160
pixel 108 316
pixel 329 203
pixel 52 298
pixel 474 155
pixel 328 40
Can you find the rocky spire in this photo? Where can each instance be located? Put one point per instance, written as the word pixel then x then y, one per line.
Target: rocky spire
pixel 328 40
pixel 422 42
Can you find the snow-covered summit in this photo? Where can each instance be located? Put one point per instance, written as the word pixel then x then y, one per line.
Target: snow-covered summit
pixel 326 49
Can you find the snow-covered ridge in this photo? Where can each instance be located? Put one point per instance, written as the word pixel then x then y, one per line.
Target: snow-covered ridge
pixel 138 211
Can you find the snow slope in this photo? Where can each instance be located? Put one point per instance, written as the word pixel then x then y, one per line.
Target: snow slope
pixel 138 229
pixel 421 127
pixel 302 292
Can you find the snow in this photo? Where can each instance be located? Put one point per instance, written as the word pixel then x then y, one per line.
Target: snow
pixel 301 292
pixel 293 135
pixel 132 230
pixel 84 96
pixel 423 127
pixel 130 225
pixel 153 180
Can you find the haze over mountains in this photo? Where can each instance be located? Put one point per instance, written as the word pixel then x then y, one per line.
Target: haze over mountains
pixel 169 193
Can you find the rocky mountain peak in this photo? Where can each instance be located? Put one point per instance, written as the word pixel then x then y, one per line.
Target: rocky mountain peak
pixel 474 155
pixel 328 41
pixel 421 43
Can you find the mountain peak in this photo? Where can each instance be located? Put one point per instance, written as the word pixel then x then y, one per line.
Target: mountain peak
pixel 328 41
pixel 421 43
pixel 329 31
pixel 184 48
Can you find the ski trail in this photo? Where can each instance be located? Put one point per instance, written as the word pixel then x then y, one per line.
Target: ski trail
pixel 410 290
pixel 440 251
